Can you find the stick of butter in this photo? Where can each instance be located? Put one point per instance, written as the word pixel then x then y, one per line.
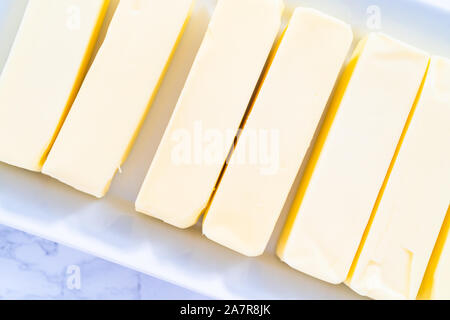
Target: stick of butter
pixel 210 109
pixel 411 209
pixel 117 93
pixel 292 99
pixel 351 158
pixel 43 74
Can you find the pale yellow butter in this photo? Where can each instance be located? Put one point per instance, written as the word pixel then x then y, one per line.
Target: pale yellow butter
pixel 42 75
pixel 412 206
pixel 284 118
pixel 117 93
pixel 352 157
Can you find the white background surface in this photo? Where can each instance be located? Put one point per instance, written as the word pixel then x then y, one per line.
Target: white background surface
pixel 31 267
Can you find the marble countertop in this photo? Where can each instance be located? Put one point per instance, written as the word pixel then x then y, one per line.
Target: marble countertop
pixel 34 268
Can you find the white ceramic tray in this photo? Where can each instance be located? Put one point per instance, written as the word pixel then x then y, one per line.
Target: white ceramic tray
pixel 111 229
